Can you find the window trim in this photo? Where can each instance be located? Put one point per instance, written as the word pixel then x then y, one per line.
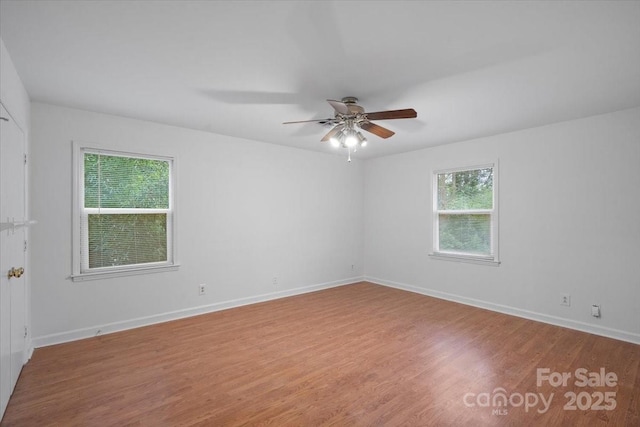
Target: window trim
pixel 493 260
pixel 77 274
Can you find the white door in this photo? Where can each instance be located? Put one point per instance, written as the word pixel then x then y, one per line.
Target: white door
pixel 12 255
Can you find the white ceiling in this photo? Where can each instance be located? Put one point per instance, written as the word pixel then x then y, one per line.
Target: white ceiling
pixel 470 69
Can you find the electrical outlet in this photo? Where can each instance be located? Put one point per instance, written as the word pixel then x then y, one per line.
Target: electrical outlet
pixel 274 281
pixel 565 299
pixel 202 289
pixel 595 310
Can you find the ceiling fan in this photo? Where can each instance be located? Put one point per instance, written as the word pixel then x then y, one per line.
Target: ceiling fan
pixel 350 117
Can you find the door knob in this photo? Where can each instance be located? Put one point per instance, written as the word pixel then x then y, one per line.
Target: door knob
pixel 15 272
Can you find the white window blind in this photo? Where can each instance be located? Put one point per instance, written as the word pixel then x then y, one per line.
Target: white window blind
pixel 465 214
pixel 125 211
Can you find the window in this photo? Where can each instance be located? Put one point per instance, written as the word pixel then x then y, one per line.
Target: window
pixel 466 214
pixel 124 215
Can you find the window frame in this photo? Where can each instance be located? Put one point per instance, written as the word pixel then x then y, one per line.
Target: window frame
pixel 78 274
pixel 493 259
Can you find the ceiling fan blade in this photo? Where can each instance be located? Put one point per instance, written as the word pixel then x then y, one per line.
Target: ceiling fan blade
pixel 340 107
pixel 408 113
pixel 332 133
pixel 377 130
pixel 308 121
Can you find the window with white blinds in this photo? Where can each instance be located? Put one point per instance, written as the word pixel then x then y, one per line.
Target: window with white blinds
pixel 124 212
pixel 465 214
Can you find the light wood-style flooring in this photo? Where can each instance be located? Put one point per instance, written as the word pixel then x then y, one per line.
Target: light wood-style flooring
pixel 356 355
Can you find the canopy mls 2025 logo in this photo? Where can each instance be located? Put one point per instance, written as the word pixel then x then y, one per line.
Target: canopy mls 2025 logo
pixel 500 400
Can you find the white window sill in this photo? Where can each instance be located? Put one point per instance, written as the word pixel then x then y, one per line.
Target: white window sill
pixel 123 272
pixel 463 258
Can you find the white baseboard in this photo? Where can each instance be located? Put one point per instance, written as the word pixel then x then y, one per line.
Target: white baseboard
pixel 531 315
pixel 28 352
pixel 93 331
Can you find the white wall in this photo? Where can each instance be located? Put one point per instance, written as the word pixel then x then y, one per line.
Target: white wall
pixel 247 212
pixel 15 99
pixel 569 223
pixel 12 92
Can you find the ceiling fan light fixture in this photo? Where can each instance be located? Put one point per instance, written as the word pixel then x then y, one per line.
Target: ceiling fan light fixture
pixel 362 141
pixel 350 119
pixel 350 141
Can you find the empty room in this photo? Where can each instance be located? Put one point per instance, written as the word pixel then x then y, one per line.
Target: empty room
pixel 301 213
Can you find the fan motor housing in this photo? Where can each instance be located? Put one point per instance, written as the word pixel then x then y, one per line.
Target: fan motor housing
pixel 352 104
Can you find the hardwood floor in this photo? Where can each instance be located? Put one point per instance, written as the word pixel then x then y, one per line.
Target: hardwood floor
pixel 360 354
